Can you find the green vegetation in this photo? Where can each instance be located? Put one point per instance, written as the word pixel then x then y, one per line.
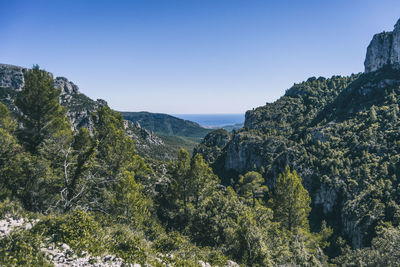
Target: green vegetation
pixel 91 191
pixel 251 187
pixel 290 201
pixel 341 136
pixel 166 124
pixel 175 143
pixel 174 132
pixel 41 116
pixel 311 180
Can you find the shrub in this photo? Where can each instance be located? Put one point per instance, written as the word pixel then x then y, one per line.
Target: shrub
pixel 21 249
pixel 78 229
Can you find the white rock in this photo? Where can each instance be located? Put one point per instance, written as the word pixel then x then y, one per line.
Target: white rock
pixel 384 49
pixel 231 264
pixel 204 264
pixel 65 247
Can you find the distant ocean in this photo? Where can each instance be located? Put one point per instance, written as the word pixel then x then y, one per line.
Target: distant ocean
pixel 213 120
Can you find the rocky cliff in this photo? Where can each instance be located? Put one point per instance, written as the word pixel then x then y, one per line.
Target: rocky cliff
pixel 384 49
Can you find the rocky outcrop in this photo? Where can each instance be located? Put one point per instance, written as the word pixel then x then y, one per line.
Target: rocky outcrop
pixel 142 136
pixel 384 49
pixel 11 222
pixel 66 86
pixel 212 145
pixel 62 255
pixel 247 152
pixel 11 76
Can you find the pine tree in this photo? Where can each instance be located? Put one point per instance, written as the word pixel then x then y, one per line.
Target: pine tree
pixel 202 179
pixel 180 186
pixel 290 201
pixel 41 114
pixel 251 187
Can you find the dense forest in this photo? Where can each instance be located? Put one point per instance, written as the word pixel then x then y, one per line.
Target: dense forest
pixel 312 179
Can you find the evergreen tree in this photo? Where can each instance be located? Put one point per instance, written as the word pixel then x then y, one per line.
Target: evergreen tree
pixel 9 149
pixel 41 114
pixel 180 185
pixel 128 202
pixel 251 187
pixel 202 179
pixel 290 201
pixel 115 149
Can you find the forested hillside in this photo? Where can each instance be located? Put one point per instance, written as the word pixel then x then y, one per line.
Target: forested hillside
pixel 174 132
pixel 166 124
pixel 341 135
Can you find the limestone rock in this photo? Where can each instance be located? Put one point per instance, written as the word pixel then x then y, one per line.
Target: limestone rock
pixel 384 49
pixel 230 263
pixel 11 223
pixel 11 76
pixel 66 86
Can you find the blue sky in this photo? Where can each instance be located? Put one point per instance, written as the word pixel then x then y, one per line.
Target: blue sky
pixel 191 56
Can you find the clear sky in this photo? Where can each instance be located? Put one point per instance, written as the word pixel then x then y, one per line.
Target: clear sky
pixel 191 56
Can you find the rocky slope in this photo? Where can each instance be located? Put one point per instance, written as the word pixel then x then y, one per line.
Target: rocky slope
pixel 79 110
pixel 341 134
pixel 62 255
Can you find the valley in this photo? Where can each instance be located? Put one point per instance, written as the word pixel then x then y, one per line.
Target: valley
pixel 311 179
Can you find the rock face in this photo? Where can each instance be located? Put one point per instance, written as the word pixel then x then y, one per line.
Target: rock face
pixel 11 76
pixel 66 86
pixel 384 49
pixel 213 144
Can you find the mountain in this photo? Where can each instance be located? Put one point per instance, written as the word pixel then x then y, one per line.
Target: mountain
pixel 174 132
pixel 166 124
pixel 341 134
pixel 79 110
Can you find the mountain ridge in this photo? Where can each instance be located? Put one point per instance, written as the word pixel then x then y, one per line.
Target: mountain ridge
pixel 79 109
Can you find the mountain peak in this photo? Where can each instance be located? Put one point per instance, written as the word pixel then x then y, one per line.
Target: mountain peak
pixel 384 49
pixel 397 25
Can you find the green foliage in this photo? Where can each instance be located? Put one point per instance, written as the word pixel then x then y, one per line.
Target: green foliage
pixel 191 179
pixel 166 124
pixel 290 201
pixel 178 250
pixel 42 116
pixel 181 184
pixel 78 229
pixel 384 250
pixel 6 122
pixel 115 148
pixel 251 188
pixel 22 249
pixel 128 246
pixel 129 204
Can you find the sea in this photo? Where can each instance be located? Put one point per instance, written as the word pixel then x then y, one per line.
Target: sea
pixel 213 120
